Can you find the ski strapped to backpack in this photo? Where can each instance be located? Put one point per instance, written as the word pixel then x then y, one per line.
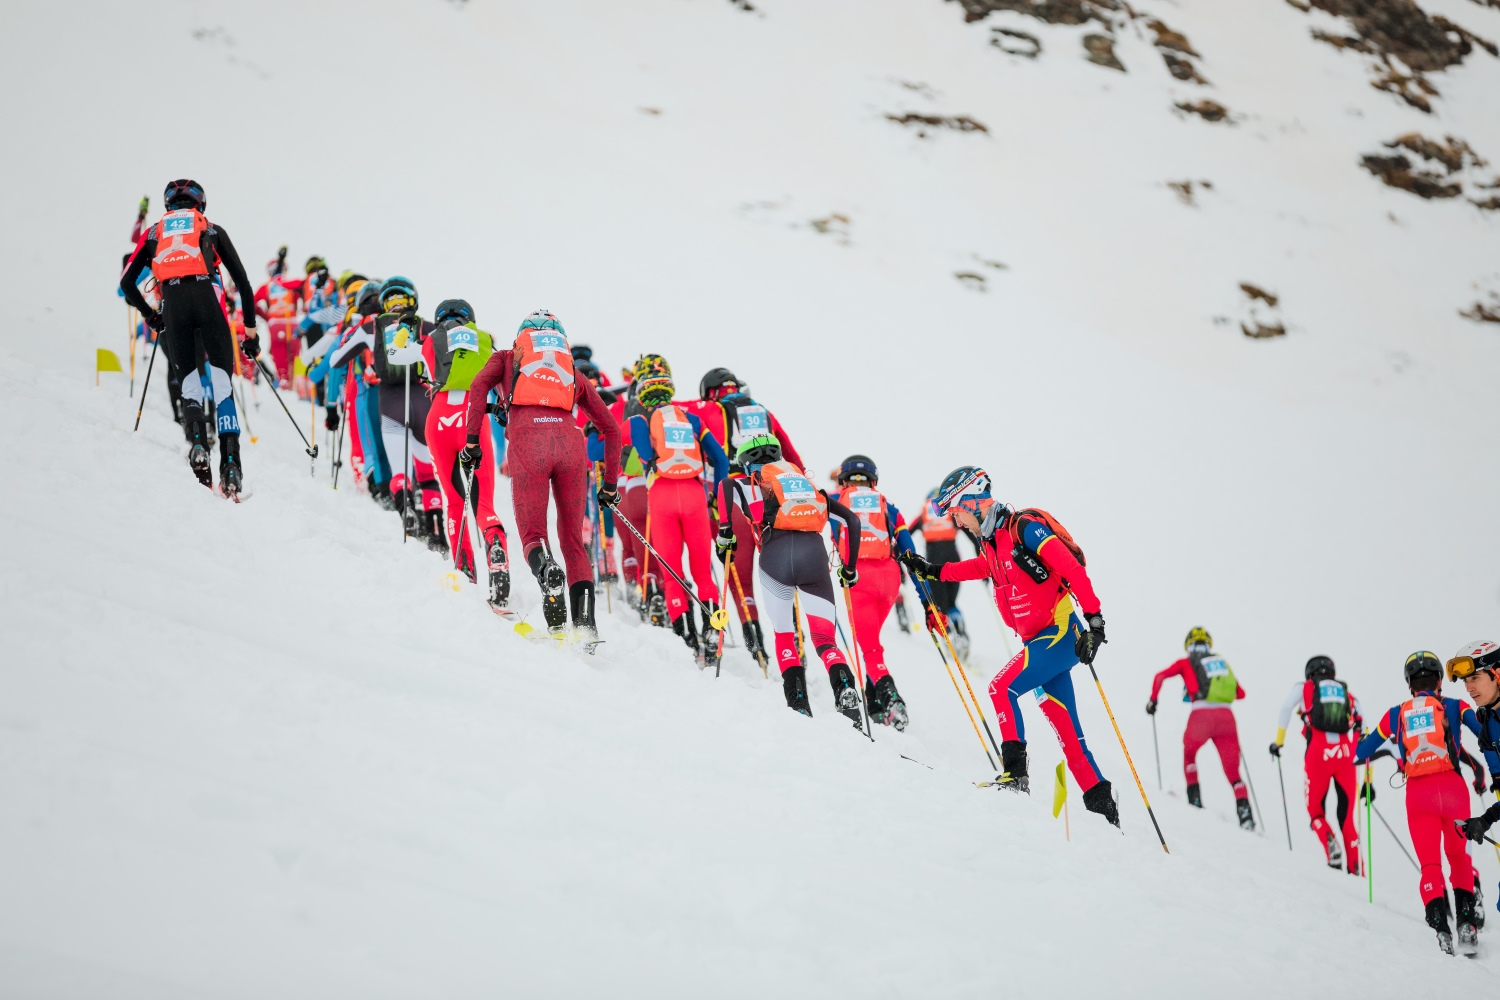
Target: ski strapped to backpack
pixel 1027 559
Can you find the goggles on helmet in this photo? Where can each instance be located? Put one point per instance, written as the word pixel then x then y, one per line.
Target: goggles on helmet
pixel 1474 657
pixel 969 493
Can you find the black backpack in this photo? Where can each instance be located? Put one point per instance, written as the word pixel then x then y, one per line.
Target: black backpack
pixel 1330 706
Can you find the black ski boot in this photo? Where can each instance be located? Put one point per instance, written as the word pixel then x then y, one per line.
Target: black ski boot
pixel 381 494
pixel 1101 799
pixel 1478 905
pixel 1195 796
pixel 231 475
pixel 794 686
pixel 551 578
pixel 437 537
pixel 710 638
pixel 892 705
pixel 581 603
pixel 1468 926
pixel 499 573
pixel 199 456
pixel 1335 851
pixel 1437 919
pixel 845 693
pixel 1242 810
pixel 959 633
pixel 685 627
pixel 901 617
pixel 655 609
pixel 1014 777
pixel 752 637
pixel 416 517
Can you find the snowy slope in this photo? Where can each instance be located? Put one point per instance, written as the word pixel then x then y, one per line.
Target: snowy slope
pixel 230 766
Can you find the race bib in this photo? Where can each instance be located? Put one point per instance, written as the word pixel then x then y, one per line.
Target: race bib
pixel 677 436
pixel 1215 666
pixel 1330 691
pixel 463 338
pixel 754 421
pixel 865 503
pixel 1420 722
pixel 547 340
pixel 177 223
pixel 795 487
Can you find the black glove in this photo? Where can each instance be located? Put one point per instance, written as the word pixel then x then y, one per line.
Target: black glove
pixel 1275 749
pixel 469 456
pixel 1367 792
pixel 1476 828
pixel 251 346
pixel 1086 646
pixel 1495 782
pixel 725 543
pixel 848 576
pixel 1151 707
pixel 919 567
pixel 331 421
pixel 155 322
pixel 609 495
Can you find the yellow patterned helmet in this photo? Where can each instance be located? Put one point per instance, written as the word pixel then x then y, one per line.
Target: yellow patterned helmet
pixel 1197 635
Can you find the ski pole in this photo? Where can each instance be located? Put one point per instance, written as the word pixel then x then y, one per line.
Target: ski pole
pixel 1157 747
pixel 1260 827
pixel 1285 816
pixel 406 494
pixel 859 670
pixel 930 612
pixel 1110 712
pixel 130 339
pixel 739 592
pixel 797 627
pixel 723 603
pixel 312 451
pixel 155 343
pixel 312 432
pixel 1393 836
pixel 1369 857
pixel 609 599
pixel 716 619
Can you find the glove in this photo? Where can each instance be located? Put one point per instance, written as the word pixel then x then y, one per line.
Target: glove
pixel 609 495
pixel 725 542
pixel 1476 828
pixel 1367 792
pixel 469 456
pixel 1495 783
pixel 145 207
pixel 331 421
pixel 1478 782
pixel 1275 749
pixel 848 576
pixel 1086 646
pixel 155 322
pixel 1151 707
pixel 918 566
pixel 251 346
pixel 936 621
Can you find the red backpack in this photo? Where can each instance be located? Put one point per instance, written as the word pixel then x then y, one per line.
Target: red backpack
pixel 1020 518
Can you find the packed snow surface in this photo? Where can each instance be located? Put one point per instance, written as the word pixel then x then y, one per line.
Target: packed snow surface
pixel 265 749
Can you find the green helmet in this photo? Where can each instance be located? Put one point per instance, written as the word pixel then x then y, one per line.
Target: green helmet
pixel 759 451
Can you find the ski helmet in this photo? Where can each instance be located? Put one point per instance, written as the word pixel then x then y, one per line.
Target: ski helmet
pixel 348 278
pixel 1319 668
pixel 541 319
pixel 1472 657
pixel 454 309
pixel 718 378
pixel 1420 664
pixel 1197 635
pixel 655 390
pixel 758 451
pixel 185 193
pixel 587 369
pixel 368 301
pixel 858 468
pixel 651 364
pixel 965 483
pixel 582 352
pixel 398 294
pixel 314 263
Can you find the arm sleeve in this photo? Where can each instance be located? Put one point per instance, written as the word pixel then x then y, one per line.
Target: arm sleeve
pixel 138 263
pixel 261 298
pixel 360 338
pixel 1291 704
pixel 1175 670
pixel 640 439
pixel 788 450
pixel 231 259
pixel 1060 560
pixel 1376 739
pixel 479 393
pixel 848 517
pixel 965 569
pixel 604 422
pixel 711 448
pixel 902 533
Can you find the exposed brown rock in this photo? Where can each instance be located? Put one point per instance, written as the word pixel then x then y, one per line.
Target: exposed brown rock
pixel 1482 312
pixel 1016 43
pixel 1209 111
pixel 1397 172
pixel 1451 154
pixel 959 123
pixel 1173 41
pixel 1101 51
pixel 1184 190
pixel 1182 69
pixel 1263 331
pixel 1070 12
pixel 1255 292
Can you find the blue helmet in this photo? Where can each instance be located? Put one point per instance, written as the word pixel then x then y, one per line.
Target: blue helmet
pixel 454 309
pixel 397 285
pixel 967 482
pixel 542 319
pixel 859 468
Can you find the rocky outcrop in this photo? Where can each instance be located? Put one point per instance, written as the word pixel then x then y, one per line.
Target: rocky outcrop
pixel 958 123
pixel 1440 172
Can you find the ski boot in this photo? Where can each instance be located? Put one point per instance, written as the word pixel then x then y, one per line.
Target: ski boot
pixel 902 619
pixel 465 565
pixel 750 630
pixel 885 704
pixel 1013 758
pixel 197 435
pixel 231 475
pixel 550 577
pixel 684 626
pixel 655 608
pixel 845 693
pixel 1468 920
pixel 959 633
pixel 1195 796
pixel 712 637
pixel 415 518
pixel 1478 905
pixel 633 597
pixel 794 686
pixel 1437 919
pixel 437 537
pixel 1101 799
pixel 499 572
pixel 1335 851
pixel 581 602
pixel 1242 810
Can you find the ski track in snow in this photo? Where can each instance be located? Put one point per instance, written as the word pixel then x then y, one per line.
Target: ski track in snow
pixel 263 749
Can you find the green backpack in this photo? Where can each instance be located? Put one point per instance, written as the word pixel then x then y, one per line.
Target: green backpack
pixel 1216 681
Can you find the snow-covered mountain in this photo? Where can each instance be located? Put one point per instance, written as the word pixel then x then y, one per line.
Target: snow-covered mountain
pixel 263 748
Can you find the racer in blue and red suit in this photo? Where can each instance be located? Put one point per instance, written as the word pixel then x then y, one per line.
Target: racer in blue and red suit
pixel 1041 612
pixel 1427 746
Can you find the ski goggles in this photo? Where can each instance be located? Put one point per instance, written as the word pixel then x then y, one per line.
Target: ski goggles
pixel 966 494
pixel 1464 665
pixel 398 303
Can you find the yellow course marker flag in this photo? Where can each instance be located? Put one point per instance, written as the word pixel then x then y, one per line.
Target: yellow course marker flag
pixel 1059 791
pixel 106 360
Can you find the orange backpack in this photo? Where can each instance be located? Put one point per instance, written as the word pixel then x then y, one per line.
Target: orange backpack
pixel 544 370
pixel 678 455
pixel 1053 525
pixel 874 522
pixel 801 506
pixel 1425 740
pixel 179 246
